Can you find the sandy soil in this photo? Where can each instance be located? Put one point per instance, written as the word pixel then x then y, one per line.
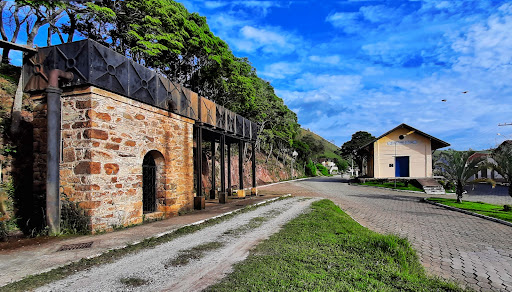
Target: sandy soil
pixel 153 267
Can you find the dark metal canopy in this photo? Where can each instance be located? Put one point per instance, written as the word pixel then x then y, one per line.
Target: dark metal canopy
pixel 96 65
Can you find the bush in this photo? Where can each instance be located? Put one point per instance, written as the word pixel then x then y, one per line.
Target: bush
pixel 322 169
pixel 73 219
pixel 447 185
pixel 310 168
pixel 507 208
pixel 7 219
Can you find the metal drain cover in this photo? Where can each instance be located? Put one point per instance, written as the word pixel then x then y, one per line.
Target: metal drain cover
pixel 76 246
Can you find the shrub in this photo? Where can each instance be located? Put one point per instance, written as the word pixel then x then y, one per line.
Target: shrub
pixel 507 208
pixel 73 219
pixel 310 168
pixel 323 170
pixel 7 219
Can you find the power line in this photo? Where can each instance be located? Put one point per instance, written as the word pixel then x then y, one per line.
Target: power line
pixel 505 124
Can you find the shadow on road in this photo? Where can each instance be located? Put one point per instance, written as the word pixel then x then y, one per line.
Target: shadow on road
pixel 387 197
pixel 336 178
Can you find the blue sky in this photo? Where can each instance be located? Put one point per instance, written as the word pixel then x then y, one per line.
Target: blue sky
pixel 345 66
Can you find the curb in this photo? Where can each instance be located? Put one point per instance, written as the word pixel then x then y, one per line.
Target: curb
pixel 396 190
pixel 284 181
pixel 468 212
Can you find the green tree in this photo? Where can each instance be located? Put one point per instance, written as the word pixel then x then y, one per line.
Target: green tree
pixel 352 149
pixel 316 147
pixel 502 163
pixel 163 35
pixel 341 163
pixel 311 168
pixel 459 167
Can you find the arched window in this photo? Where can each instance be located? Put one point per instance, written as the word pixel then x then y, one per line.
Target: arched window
pixel 148 184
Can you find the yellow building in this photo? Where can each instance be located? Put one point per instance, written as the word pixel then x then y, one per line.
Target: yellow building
pixel 401 152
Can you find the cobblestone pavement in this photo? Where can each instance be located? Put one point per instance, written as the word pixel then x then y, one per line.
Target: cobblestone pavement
pixel 474 252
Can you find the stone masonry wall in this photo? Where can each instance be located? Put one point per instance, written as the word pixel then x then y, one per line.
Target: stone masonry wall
pixel 104 140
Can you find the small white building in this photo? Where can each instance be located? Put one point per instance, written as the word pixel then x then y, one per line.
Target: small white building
pixel 401 152
pixel 331 166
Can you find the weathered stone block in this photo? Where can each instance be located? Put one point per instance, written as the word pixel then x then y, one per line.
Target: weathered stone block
pixel 89 204
pixel 95 134
pixel 111 168
pixel 87 167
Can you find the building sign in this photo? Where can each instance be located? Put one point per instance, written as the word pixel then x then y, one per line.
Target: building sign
pixel 403 142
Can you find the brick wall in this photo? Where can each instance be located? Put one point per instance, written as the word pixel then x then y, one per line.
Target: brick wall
pixel 104 140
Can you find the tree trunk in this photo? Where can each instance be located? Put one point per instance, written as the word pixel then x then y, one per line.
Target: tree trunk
pixel 510 189
pixel 270 152
pixel 16 107
pixel 459 191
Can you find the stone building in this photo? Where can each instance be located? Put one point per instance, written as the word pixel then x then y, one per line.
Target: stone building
pixel 128 142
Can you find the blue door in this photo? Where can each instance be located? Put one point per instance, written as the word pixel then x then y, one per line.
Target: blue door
pixel 402 166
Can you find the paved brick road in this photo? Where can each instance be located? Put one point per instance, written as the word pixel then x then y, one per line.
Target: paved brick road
pixel 472 251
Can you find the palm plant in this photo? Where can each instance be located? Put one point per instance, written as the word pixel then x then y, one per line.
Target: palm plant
pixel 459 167
pixel 502 164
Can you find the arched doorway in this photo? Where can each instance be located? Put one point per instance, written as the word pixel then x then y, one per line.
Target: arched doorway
pixel 149 171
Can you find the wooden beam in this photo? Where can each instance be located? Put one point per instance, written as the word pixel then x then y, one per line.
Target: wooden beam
pixel 16 47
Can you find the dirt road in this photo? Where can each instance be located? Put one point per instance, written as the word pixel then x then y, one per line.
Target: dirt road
pixel 191 262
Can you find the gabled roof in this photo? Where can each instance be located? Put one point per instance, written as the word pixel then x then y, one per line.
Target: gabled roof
pixel 477 155
pixel 436 143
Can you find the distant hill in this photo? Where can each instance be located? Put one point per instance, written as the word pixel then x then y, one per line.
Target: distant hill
pixel 328 146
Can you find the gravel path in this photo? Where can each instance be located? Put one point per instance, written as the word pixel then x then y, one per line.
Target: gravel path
pixel 472 251
pixel 216 248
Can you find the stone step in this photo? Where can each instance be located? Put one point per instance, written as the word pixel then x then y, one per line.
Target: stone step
pixel 434 190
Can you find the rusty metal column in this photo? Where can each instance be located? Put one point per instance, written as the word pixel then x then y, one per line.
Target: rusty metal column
pixel 241 164
pixel 222 194
pixel 230 190
pixel 199 199
pixel 53 155
pixel 254 190
pixel 213 190
pixel 53 95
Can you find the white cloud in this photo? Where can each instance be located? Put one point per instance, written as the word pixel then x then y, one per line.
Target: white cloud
pixel 268 39
pixel 225 22
pixel 280 70
pixel 486 45
pixel 379 13
pixel 214 4
pixel 348 21
pixel 336 85
pixel 331 60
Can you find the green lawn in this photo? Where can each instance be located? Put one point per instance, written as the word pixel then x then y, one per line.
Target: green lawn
pixel 399 185
pixel 490 210
pixel 325 250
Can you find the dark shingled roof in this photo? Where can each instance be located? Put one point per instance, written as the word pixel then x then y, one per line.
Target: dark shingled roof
pixel 436 143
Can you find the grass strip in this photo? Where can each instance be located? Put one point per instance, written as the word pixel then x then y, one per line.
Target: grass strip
pixel 326 250
pixel 133 281
pixel 33 281
pixel 195 253
pixel 496 211
pixel 391 185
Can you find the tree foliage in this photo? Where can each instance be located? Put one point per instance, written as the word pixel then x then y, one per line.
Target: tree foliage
pixel 164 36
pixel 459 167
pixel 352 149
pixel 502 163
